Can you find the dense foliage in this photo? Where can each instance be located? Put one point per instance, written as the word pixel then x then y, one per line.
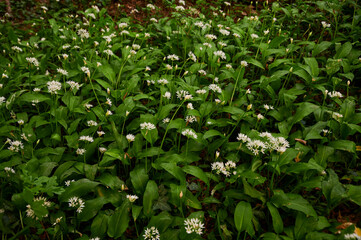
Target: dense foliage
pixel 202 125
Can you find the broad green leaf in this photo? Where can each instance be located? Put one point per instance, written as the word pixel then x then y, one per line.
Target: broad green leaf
pixel 161 221
pixel 312 63
pixel 78 189
pixel 197 172
pixel 243 216
pixel 139 179
pixel 100 224
pixel 323 153
pixel 176 171
pixel 212 133
pixel 255 62
pixel 165 110
pixel 332 189
pixel 150 195
pixel 192 200
pixel 276 218
pixel 252 192
pixel 322 46
pixel 344 50
pixel 354 193
pixel 344 145
pixel 119 221
pixel 304 110
pixel 108 72
pixel 136 210
pixel 292 201
pixel 91 208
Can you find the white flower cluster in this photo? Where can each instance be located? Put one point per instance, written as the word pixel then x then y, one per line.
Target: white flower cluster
pixel 2 100
pixel 163 81
pixel 189 133
pixel 220 54
pixel 77 202
pixel 16 48
pixel 86 138
pixel 73 85
pixel 193 225
pixel 190 119
pixel 33 60
pixel 192 56
pixel 15 146
pixel 130 137
pixel 211 36
pixel 83 33
pixel 85 70
pixel 224 32
pixel 151 233
pixel 279 144
pixel 183 94
pixel 9 170
pixel 325 24
pixel 30 212
pixel 335 94
pixel 173 57
pixel 53 86
pixel 147 126
pixel 215 88
pixel 225 169
pixel 352 236
pixel 132 198
pixel 92 123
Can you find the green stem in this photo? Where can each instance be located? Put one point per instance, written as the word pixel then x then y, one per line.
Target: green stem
pixel 235 86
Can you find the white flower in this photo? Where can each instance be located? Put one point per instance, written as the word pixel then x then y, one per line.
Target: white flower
pixel 53 86
pixel 108 52
pixel 201 91
pixel 225 169
pixel 9 170
pixel 102 149
pixel 325 24
pixel 147 126
pixel 33 60
pixel 220 54
pixel 130 137
pixel 211 36
pixel 274 19
pixel 179 8
pixel 190 119
pixel 108 113
pixel 21 122
pixel 132 198
pixel 224 32
pixel 151 233
pixel 62 71
pixel 222 44
pixel 85 70
pixel 243 137
pixel 83 33
pixel 76 202
pixel 189 133
pixel 266 32
pixel 202 72
pixel 236 35
pixel 215 88
pixel 74 85
pixel 80 151
pixel 335 94
pixel 16 48
pixel 182 2
pixel 193 225
pixel 267 107
pixel 167 95
pixel 244 64
pixel 123 25
pixel 173 57
pixel 163 81
pixel 190 106
pixel 229 66
pixel 151 6
pixel 92 123
pixel 199 24
pixel 227 3
pixel 208 45
pixel 169 67
pixel 154 20
pixel 2 100
pixel 15 146
pixel 192 56
pixel 255 146
pixel 337 115
pixel 86 138
pixel 254 36
pixel 109 102
pixel 91 15
pixel 260 116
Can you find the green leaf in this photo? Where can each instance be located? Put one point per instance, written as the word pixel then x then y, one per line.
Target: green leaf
pixel 243 216
pixel 323 153
pixel 192 200
pixel 344 50
pixel 150 195
pixel 197 172
pixel 324 45
pixel 78 189
pixel 136 210
pixel 304 110
pixel 354 193
pixel 139 178
pixel 255 62
pixel 91 208
pixel 252 192
pixel 176 171
pixel 108 72
pixel 292 201
pixel 212 133
pixel 162 221
pixel 165 110
pixel 100 224
pixel 312 63
pixel 119 221
pixel 332 189
pixel 344 145
pixel 276 218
